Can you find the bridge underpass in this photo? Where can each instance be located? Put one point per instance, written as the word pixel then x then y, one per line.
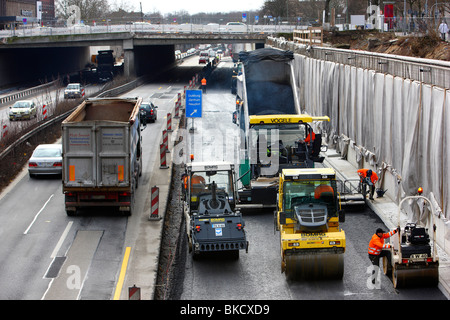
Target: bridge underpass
pixel 27 59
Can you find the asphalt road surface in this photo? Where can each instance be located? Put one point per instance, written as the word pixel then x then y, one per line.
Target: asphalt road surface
pixel 256 275
pixel 38 238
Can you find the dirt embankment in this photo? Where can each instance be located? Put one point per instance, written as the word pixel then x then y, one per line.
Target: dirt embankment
pixel 428 46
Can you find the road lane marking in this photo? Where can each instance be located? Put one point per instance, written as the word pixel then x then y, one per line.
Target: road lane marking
pixel 61 240
pixel 37 215
pixel 73 272
pixel 122 274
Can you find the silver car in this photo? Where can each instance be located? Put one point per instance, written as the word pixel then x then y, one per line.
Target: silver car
pixel 25 109
pixel 46 159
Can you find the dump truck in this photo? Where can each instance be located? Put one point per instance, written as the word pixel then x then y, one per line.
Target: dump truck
pixel 213 223
pixel 102 154
pixel 274 134
pixel 308 218
pixel 412 258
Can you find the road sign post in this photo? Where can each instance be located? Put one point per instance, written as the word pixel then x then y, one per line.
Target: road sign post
pixel 193 105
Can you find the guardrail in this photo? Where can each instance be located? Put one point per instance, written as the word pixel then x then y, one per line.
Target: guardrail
pixel 28 92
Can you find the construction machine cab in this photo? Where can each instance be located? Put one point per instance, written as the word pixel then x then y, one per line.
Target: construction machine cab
pixel 290 137
pixel 209 187
pixel 309 202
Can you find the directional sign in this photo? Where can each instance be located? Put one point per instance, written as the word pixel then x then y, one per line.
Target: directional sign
pixel 193 103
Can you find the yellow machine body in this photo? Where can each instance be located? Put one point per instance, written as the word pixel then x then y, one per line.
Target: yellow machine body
pixel 311 241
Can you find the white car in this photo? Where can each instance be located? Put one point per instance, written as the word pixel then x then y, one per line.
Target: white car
pixel 23 109
pixel 73 90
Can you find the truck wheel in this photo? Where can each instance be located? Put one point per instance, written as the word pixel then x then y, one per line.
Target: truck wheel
pixel 71 213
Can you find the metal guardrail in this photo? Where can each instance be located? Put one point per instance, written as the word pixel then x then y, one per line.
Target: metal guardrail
pixel 433 72
pixel 28 92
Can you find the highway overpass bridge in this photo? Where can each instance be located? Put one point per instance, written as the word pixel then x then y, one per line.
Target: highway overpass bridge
pixel 27 58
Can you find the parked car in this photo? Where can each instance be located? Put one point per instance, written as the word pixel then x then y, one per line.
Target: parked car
pixel 46 159
pixel 24 109
pixel 73 91
pixel 148 112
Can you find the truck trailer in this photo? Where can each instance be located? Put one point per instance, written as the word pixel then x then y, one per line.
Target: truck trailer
pixel 102 151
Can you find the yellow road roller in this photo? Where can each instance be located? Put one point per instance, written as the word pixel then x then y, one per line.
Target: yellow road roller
pixel 308 216
pixel 413 259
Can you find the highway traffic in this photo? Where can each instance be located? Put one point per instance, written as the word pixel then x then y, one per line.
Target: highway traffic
pixel 39 239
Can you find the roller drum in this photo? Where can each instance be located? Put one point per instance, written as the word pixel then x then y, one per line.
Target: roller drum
pixel 314 266
pixel 403 276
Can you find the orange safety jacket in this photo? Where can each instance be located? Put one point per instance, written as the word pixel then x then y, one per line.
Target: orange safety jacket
pixel 363 173
pixel 377 244
pixel 310 137
pixel 203 82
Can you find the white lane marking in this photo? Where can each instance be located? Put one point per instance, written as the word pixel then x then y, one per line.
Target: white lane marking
pixel 61 240
pixel 37 214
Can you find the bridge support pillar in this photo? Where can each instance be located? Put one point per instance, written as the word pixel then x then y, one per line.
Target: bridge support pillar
pixel 129 68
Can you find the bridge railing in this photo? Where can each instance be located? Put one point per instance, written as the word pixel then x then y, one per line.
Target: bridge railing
pixel 149 28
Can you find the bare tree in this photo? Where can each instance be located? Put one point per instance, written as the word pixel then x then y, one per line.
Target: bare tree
pixel 88 9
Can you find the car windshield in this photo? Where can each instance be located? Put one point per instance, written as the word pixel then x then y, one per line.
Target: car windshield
pixel 72 86
pixel 22 104
pixel 47 153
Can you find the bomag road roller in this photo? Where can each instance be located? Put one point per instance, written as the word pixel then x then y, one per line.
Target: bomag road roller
pixel 213 223
pixel 413 261
pixel 308 217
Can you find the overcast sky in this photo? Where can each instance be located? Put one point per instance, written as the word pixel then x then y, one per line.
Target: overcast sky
pixel 196 6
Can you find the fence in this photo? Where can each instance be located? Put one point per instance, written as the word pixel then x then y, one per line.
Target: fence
pixel 311 36
pixel 434 72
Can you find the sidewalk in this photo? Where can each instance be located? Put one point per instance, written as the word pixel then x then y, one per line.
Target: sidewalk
pixel 387 210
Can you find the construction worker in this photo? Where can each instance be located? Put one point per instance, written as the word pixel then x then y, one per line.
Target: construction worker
pixel 310 137
pixel 376 246
pixel 323 189
pixel 204 85
pixel 369 177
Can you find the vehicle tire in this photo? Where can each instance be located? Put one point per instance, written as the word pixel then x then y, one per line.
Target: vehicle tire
pixel 71 213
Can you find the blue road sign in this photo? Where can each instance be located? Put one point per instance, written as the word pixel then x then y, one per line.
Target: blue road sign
pixel 193 103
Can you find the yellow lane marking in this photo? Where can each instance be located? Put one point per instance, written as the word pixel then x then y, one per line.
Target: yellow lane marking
pixel 123 270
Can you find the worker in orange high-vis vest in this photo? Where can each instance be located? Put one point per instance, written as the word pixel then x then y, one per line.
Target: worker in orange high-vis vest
pixel 371 178
pixel 376 245
pixel 204 85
